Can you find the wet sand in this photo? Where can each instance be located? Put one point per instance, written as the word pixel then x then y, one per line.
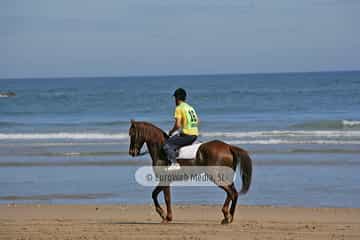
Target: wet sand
pixel 190 222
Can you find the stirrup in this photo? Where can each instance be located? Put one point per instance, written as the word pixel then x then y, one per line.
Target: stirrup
pixel 173 167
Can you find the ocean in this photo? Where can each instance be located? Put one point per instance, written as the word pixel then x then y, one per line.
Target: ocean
pixel 65 140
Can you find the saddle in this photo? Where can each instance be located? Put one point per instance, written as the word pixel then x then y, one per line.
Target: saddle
pixel 189 151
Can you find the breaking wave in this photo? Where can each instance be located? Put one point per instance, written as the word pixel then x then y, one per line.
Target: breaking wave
pixel 282 141
pixel 276 133
pixel 252 137
pixel 76 136
pixel 328 125
pixel 351 123
pixel 287 137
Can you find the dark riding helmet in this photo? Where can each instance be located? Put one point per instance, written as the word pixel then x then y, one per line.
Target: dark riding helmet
pixel 180 94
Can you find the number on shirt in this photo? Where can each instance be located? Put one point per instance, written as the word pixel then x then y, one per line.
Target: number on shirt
pixel 192 116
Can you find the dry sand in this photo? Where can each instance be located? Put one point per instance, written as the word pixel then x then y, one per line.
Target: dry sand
pixel 190 222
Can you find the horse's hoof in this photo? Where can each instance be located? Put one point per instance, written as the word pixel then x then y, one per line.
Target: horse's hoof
pixel 164 221
pixel 226 221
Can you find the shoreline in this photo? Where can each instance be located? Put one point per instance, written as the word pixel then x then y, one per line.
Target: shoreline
pixel 190 222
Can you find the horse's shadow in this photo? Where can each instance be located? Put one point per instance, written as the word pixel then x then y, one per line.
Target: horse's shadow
pixel 150 223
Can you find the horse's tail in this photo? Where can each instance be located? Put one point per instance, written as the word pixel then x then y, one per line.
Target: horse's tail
pixel 243 157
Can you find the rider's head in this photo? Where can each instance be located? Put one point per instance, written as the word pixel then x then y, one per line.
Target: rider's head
pixel 180 95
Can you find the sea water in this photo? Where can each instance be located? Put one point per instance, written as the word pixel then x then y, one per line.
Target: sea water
pixel 65 140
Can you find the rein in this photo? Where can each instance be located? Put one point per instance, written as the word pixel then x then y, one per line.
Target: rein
pixel 143 153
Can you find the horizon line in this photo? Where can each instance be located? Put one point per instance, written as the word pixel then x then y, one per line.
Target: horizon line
pixel 181 75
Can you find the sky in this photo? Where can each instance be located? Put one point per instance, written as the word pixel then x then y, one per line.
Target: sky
pixel 70 38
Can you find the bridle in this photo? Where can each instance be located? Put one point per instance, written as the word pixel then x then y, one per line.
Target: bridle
pixel 136 145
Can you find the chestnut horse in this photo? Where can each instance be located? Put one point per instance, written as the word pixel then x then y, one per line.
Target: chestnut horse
pixel 213 153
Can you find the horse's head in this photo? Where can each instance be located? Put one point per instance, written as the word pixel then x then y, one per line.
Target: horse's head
pixel 137 140
pixel 144 132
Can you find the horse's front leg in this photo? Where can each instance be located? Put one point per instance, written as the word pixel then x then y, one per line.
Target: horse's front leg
pixel 158 208
pixel 167 197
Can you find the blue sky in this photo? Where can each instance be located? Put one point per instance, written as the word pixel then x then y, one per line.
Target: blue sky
pixel 48 38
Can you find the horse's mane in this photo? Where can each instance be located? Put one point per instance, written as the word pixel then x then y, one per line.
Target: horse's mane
pixel 149 132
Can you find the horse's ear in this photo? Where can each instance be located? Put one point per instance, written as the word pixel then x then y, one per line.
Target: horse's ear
pixel 132 121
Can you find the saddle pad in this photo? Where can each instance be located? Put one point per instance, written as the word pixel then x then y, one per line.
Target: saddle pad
pixel 188 152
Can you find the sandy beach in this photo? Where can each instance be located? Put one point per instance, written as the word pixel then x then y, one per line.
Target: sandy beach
pixel 190 222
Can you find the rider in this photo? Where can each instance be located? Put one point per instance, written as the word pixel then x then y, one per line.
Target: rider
pixel 186 122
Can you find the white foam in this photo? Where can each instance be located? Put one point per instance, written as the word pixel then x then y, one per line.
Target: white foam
pixel 72 153
pixel 350 123
pixel 282 141
pixel 76 136
pixel 253 137
pixel 299 133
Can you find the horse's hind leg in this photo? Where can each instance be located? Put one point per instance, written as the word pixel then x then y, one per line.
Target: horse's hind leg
pixel 158 208
pixel 234 201
pixel 225 209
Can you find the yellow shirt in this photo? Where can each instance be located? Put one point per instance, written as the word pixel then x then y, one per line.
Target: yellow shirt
pixel 188 119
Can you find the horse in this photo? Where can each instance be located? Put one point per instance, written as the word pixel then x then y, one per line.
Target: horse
pixel 212 153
